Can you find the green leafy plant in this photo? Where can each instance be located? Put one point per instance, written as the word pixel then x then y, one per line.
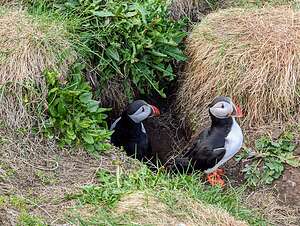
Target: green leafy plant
pixel 134 40
pixel 74 117
pixel 271 157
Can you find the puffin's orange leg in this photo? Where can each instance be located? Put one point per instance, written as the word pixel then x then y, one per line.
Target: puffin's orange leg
pixel 214 178
pixel 220 172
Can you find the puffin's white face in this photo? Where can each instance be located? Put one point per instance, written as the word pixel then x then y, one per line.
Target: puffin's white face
pixel 139 110
pixel 222 107
pixel 141 114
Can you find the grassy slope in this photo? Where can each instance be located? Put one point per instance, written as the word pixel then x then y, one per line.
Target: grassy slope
pixel 169 190
pixel 101 201
pixel 40 183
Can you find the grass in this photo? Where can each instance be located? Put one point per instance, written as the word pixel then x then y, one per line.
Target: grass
pixel 22 206
pixel 136 198
pixel 35 45
pixel 26 219
pixel 164 189
pixel 263 3
pixel 244 54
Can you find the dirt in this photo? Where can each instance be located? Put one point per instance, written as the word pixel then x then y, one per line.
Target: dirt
pixel 43 175
pixel 288 186
pixel 166 137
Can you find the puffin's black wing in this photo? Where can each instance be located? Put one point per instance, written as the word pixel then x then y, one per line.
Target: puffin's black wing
pixel 205 154
pixel 201 156
pixel 201 137
pixel 130 136
pixel 118 138
pixel 139 147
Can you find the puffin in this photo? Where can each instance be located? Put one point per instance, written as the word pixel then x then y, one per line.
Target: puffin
pixel 215 145
pixel 129 131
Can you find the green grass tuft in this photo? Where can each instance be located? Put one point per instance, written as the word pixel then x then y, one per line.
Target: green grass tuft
pixel 167 189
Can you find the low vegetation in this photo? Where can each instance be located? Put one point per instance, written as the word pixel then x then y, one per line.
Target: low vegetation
pixel 179 198
pixel 270 159
pixel 74 57
pixel 35 46
pixel 74 117
pixel 132 42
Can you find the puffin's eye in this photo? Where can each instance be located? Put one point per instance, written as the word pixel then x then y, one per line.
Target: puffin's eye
pixel 143 109
pixel 222 106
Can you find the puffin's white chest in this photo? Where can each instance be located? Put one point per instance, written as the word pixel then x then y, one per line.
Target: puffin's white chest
pixel 233 143
pixel 234 140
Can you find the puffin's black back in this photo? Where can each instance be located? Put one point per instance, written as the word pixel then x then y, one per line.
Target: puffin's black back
pixel 129 135
pixel 202 154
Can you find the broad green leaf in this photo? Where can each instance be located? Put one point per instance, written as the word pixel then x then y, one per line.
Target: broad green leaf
pixel 71 135
pixel 143 13
pixel 53 90
pixel 131 14
pixel 88 138
pixel 275 144
pixel 113 53
pixel 61 109
pixel 176 53
pixel 85 97
pixel 290 147
pixel 103 13
pixel 52 110
pixel 162 69
pixel 295 162
pixel 100 110
pixel 179 36
pixel 92 106
pixel 85 123
pixel 158 54
pixel 52 77
pixel 67 141
pixel 90 147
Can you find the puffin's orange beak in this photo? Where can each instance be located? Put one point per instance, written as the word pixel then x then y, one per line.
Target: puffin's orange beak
pixel 155 111
pixel 238 112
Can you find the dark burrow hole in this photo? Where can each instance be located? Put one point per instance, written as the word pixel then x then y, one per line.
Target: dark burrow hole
pixel 166 134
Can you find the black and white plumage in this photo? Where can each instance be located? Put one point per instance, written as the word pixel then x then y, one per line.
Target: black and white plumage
pixel 129 131
pixel 217 144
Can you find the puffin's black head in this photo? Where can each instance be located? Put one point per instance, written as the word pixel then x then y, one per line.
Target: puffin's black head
pixel 222 107
pixel 139 110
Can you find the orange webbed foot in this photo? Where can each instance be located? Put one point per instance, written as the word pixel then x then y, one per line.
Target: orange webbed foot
pixel 215 178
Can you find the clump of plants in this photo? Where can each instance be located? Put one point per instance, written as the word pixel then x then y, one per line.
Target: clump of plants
pixel 35 45
pixel 270 159
pixel 74 117
pixel 134 41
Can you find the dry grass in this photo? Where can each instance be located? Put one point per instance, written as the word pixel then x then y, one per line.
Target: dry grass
pixel 250 55
pixel 27 48
pixel 147 210
pixel 113 95
pixel 266 202
pixel 38 171
pixel 192 9
pixel 8 2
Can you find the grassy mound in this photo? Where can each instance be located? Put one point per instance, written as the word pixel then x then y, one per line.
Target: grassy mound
pixel 250 55
pixel 148 210
pixel 143 198
pixel 27 47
